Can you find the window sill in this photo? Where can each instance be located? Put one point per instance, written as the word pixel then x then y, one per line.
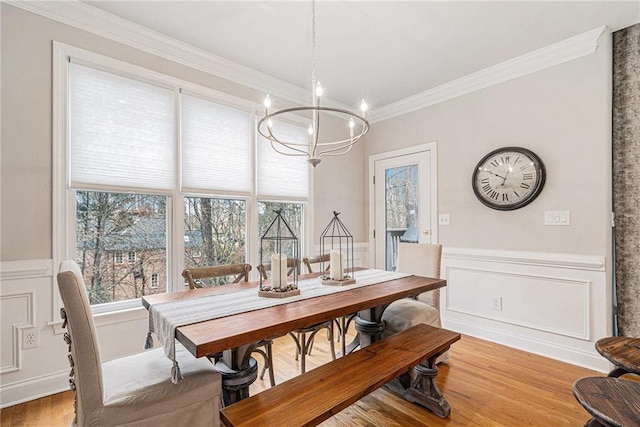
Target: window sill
pixel 110 318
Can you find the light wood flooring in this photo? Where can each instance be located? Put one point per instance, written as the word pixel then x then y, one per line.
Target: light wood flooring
pixel 486 384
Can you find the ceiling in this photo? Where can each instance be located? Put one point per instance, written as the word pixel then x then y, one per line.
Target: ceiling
pixel 376 50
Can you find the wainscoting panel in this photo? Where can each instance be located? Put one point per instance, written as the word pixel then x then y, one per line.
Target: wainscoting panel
pixel 567 313
pixel 17 314
pixel 556 305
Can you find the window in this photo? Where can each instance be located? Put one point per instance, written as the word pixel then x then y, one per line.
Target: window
pixel 106 224
pixel 150 199
pixel 215 231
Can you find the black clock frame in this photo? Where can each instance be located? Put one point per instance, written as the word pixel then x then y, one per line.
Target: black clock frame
pixel 539 184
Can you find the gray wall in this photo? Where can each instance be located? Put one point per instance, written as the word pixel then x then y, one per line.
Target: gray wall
pixel 562 113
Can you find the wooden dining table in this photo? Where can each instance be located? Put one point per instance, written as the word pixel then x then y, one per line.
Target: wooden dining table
pixel 237 335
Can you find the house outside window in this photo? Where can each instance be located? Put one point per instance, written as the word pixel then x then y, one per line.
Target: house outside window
pixel 125 160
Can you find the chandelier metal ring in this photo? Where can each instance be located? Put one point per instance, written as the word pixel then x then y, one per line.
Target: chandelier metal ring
pixel 313 147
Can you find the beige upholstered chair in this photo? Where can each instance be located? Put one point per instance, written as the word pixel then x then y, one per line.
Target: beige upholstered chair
pixel 421 260
pixel 197 276
pixel 304 342
pixel 134 390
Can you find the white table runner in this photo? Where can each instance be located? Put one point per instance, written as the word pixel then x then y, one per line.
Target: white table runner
pixel 164 318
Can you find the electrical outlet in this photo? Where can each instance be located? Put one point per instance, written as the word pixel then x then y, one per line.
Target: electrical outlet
pixel 496 303
pixel 29 338
pixel 443 219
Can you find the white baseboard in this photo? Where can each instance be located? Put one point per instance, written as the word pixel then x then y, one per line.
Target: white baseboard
pixel 525 343
pixel 33 388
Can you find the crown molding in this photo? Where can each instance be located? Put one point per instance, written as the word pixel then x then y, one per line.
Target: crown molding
pixel 112 27
pixel 557 53
pixel 93 20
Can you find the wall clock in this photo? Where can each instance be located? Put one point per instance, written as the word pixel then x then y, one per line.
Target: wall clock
pixel 508 178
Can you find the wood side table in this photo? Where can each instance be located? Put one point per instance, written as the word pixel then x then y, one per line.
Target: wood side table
pixel 610 401
pixel 623 352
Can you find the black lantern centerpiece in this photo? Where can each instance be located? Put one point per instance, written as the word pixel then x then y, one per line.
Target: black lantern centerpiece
pixel 279 253
pixel 338 241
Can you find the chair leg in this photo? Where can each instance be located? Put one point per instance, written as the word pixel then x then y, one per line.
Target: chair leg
pixel 331 343
pixel 303 352
pixel 272 376
pixel 268 362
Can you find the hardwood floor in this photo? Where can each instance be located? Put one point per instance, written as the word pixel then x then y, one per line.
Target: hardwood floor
pixel 486 384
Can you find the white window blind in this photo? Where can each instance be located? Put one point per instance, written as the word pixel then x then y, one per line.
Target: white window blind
pixel 216 146
pixel 280 175
pixel 121 131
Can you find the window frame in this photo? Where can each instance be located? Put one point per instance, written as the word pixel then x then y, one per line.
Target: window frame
pixel 63 200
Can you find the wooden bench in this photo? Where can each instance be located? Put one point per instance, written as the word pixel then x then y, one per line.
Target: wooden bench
pixel 314 396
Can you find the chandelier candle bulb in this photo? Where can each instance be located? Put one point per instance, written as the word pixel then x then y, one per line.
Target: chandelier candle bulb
pixel 335 270
pixel 278 271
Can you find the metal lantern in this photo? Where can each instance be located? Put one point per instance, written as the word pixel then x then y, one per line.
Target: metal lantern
pixel 280 254
pixel 337 241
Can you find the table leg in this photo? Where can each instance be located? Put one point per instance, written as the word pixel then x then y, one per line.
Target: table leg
pixel 369 325
pixel 239 370
pixel 424 390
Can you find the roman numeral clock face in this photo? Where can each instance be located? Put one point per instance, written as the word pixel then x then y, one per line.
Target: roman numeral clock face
pixel 508 178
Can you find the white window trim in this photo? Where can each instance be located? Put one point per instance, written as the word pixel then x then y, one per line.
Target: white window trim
pixel 63 200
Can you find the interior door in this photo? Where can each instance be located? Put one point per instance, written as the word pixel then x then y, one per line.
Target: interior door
pixel 402 204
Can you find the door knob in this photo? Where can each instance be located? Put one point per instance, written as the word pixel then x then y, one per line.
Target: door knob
pixel 425 232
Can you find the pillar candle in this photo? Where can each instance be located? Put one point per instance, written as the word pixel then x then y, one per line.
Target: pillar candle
pixel 278 270
pixel 335 269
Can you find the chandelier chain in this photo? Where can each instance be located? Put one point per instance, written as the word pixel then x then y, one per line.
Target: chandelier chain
pixel 313 43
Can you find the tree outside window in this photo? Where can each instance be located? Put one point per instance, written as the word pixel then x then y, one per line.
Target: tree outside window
pixel 110 224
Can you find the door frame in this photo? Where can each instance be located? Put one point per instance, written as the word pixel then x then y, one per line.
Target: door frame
pixel 432 148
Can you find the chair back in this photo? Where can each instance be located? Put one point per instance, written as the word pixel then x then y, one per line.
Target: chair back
pixel 85 350
pixel 421 259
pixel 318 259
pixel 292 263
pixel 239 272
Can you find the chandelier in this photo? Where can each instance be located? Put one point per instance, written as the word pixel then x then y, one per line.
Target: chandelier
pixel 314 146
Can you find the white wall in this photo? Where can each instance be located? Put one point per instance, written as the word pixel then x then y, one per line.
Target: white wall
pixel 563 114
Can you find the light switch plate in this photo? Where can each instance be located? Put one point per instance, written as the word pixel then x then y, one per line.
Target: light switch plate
pixel 557 217
pixel 444 219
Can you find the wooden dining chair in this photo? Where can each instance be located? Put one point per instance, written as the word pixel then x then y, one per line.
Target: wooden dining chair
pixel 318 259
pixel 292 263
pixel 343 322
pixel 303 337
pixel 199 277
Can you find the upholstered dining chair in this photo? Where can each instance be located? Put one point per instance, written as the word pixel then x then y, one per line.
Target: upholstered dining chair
pixel 133 390
pixel 303 337
pixel 420 259
pixel 197 277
